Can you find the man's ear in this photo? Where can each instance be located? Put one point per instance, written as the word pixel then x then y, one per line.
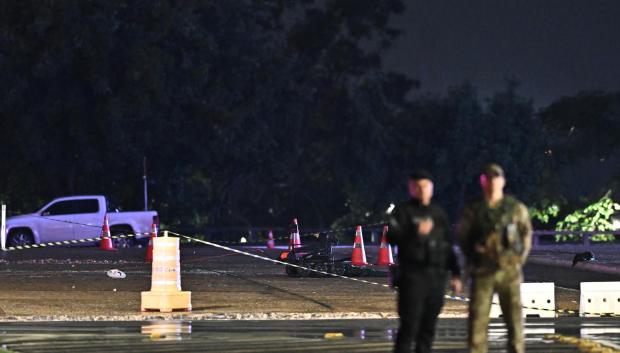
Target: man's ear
pixel 483 179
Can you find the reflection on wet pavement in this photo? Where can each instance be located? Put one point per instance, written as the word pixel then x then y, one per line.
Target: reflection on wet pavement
pixel 167 330
pixel 282 336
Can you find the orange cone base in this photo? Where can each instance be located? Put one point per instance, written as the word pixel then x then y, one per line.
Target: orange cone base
pixel 149 253
pixel 358 258
pixel 166 302
pixel 384 264
pixel 385 257
pixel 106 244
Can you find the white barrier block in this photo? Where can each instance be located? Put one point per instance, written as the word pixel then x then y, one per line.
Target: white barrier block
pixel 599 299
pixel 3 228
pixel 533 295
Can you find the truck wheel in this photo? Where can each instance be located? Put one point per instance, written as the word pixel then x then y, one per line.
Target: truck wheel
pixel 20 237
pixel 122 243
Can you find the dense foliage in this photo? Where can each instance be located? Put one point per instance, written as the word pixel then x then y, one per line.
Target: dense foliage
pixel 594 217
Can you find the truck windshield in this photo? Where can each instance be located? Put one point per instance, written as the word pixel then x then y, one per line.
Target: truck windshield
pixel 43 205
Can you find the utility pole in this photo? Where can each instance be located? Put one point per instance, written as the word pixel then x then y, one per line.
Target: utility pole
pixel 146 192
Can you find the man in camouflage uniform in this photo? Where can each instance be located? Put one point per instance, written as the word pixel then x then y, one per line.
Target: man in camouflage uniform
pixel 495 235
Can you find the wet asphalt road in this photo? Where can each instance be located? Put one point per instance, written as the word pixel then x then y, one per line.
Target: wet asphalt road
pixel 279 336
pixel 71 281
pixel 564 277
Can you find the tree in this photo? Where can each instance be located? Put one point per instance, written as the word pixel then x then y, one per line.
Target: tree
pixel 594 217
pixel 456 134
pixel 574 122
pixel 239 106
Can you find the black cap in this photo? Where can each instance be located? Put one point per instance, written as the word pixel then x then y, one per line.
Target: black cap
pixel 493 169
pixel 418 174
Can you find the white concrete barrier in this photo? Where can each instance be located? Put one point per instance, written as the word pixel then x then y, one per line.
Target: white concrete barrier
pixel 3 228
pixel 599 299
pixel 533 295
pixel 498 330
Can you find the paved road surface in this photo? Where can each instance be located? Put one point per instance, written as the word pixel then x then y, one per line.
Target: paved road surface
pixel 278 336
pixel 71 283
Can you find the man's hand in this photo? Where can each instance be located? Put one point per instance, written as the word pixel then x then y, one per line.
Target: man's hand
pixel 425 226
pixel 456 284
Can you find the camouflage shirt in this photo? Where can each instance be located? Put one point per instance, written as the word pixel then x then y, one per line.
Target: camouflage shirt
pixel 495 237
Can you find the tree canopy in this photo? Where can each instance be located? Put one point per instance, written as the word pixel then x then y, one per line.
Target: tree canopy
pixel 249 112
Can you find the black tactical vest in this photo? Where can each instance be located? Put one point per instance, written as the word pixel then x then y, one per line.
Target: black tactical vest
pixel 423 252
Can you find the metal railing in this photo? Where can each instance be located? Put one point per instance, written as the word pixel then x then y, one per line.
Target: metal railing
pixel 585 236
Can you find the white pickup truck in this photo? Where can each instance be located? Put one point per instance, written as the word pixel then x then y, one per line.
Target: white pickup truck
pixel 78 217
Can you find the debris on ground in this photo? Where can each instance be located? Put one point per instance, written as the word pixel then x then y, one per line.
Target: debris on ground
pixel 116 273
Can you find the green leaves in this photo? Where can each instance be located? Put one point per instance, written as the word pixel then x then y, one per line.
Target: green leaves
pixel 594 217
pixel 545 212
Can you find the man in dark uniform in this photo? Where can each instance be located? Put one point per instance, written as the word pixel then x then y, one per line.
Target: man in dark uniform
pixel 495 234
pixel 422 233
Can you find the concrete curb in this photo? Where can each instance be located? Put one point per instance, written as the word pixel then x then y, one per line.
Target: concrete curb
pixel 218 316
pixel 588 266
pixel 207 316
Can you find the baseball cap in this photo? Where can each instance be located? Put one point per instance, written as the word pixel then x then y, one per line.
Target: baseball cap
pixel 493 169
pixel 419 174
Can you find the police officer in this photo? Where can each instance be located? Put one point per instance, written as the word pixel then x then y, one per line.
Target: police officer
pixel 495 234
pixel 421 231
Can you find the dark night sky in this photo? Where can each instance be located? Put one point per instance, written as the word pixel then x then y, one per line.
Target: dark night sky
pixel 554 47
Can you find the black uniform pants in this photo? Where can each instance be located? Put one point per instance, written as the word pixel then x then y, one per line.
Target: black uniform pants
pixel 420 298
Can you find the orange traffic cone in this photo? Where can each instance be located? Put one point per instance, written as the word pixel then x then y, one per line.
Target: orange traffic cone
pixel 358 258
pixel 270 242
pixel 297 237
pixel 106 237
pixel 149 249
pixel 295 240
pixel 385 250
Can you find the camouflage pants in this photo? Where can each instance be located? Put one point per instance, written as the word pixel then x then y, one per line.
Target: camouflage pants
pixel 506 283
